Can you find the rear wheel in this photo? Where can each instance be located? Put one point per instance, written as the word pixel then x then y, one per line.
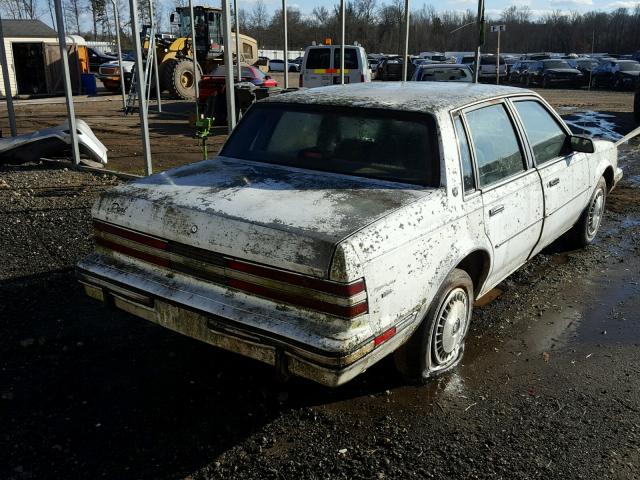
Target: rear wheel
pixel 437 344
pixel 585 230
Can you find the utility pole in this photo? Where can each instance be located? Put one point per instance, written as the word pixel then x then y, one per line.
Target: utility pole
pixel 481 25
pixel 194 53
pixel 237 19
pixel 498 28
pixel 228 66
pixel 153 43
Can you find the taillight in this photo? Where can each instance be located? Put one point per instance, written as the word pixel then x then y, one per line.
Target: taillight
pixel 346 300
pixel 301 81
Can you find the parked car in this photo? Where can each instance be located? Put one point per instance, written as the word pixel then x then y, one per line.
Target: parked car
pixel 321 66
pixel 341 224
pixel 547 73
pixel 518 72
pixel 585 66
pixel 443 72
pixel 97 58
pixel 278 66
pixel 109 73
pixel 212 84
pixel 618 74
pixel 487 71
pixel 391 69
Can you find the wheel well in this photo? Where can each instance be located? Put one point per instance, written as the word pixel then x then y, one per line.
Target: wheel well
pixel 608 176
pixel 476 264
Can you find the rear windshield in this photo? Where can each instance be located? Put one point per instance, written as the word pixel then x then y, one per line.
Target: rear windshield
pixel 556 64
pixel 350 58
pixel 318 58
pixel 383 144
pixel 629 66
pixel 490 61
pixel 445 74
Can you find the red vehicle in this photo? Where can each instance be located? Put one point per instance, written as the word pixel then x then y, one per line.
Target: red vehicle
pixel 213 83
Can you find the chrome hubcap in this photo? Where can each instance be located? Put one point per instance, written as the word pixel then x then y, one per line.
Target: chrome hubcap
pixel 450 327
pixel 596 209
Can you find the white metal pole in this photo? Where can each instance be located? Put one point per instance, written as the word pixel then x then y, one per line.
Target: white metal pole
pixel 228 66
pixel 593 41
pixel 405 67
pixel 286 42
pixel 7 85
pixel 123 88
pixel 194 52
pixel 141 86
pixel 155 57
pixel 498 59
pixel 238 51
pixel 343 10
pixel 68 93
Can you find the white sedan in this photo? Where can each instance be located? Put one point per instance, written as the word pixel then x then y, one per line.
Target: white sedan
pixel 341 224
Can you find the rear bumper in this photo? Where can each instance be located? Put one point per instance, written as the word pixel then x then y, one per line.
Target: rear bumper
pixel 327 361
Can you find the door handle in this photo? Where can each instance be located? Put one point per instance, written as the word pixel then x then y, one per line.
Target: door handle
pixel 554 182
pixel 496 210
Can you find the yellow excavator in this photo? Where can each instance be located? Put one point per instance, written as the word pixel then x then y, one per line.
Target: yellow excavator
pixel 175 60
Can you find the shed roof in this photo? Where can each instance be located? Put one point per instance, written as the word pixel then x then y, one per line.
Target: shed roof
pixel 27 29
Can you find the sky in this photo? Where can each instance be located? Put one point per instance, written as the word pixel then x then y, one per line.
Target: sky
pixel 493 7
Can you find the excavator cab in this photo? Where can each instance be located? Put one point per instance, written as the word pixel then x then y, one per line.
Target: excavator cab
pixel 208 23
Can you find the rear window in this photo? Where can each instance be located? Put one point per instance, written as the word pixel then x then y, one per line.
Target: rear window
pixel 372 143
pixel 318 58
pixel 445 74
pixel 490 61
pixel 350 58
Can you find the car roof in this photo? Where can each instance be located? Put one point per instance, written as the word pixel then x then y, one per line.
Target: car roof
pixel 444 65
pixel 430 97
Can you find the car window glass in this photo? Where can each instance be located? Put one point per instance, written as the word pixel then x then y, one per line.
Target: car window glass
pixel 445 74
pixel 498 153
pixel 362 142
pixel 468 179
pixel 319 58
pixel 350 58
pixel 545 135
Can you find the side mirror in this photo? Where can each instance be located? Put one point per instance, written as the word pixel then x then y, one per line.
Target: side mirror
pixel 581 144
pixel 211 17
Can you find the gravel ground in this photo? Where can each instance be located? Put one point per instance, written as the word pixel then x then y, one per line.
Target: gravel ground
pixel 548 388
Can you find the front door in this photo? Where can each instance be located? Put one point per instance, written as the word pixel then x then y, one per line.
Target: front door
pixel 564 174
pixel 511 190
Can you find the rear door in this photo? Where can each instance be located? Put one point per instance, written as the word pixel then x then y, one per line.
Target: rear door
pixel 352 65
pixel 511 191
pixel 564 174
pixel 316 67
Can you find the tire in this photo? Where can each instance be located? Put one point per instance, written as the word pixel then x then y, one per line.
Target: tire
pixel 166 70
pixel 181 78
pixel 586 228
pixel 437 345
pixel 594 82
pixel 528 81
pixel 545 82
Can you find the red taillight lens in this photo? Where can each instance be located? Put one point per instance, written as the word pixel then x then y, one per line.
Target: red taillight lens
pixel 130 235
pixel 380 339
pixel 132 252
pixel 339 289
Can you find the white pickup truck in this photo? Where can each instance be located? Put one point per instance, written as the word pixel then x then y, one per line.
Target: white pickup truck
pixel 344 223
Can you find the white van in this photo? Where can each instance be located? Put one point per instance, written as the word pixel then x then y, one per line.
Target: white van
pixel 321 66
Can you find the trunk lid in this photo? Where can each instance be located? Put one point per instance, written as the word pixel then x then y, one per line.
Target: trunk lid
pixel 280 216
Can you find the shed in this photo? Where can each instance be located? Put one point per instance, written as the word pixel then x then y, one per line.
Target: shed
pixel 33 58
